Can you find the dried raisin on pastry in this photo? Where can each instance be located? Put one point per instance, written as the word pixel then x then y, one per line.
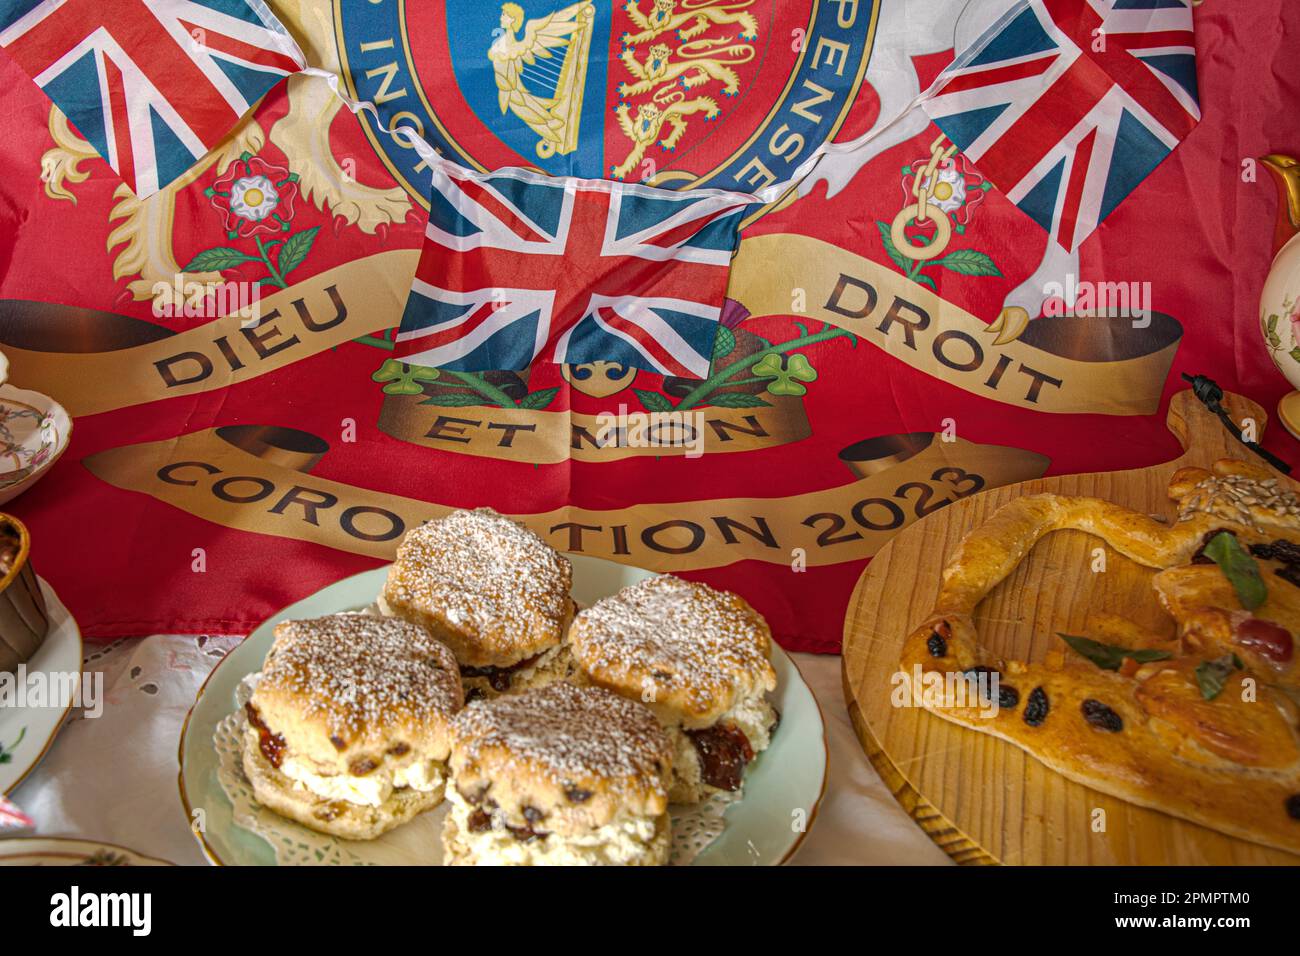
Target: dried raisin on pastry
pixel 1283 551
pixel 1293 806
pixel 937 643
pixel 1102 717
pixel 360 766
pixel 1036 707
pixel 1008 696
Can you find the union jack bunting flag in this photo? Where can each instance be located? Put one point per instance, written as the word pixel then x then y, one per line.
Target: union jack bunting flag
pixel 517 267
pixel 1067 105
pixel 152 85
pixel 12 819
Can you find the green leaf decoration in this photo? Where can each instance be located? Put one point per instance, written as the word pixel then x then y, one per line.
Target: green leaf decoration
pixel 1239 567
pixel 724 344
pixel 1110 657
pixel 295 250
pixel 539 399
pixel 390 371
pixel 653 401
pixel 1295 354
pixel 1212 676
pixel 1272 323
pixel 892 250
pixel 799 368
pixel 454 400
pixel 924 279
pixel 218 260
pixel 969 262
pixel 769 366
pixel 738 400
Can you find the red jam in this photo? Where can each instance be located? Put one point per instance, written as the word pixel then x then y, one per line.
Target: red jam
pixel 724 751
pixel 499 677
pixel 271 745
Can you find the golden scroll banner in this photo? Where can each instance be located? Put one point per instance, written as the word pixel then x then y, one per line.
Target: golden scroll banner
pixel 255 479
pixel 1069 365
pixel 97 361
pixel 540 437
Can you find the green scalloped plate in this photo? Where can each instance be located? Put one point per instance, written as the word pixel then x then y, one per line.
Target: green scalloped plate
pixel 783 787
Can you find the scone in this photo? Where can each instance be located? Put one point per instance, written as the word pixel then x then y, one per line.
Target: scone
pixel 349 727
pixel 558 776
pixel 699 659
pixel 492 591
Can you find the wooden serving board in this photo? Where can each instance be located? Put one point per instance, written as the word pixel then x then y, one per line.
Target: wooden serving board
pixel 985 800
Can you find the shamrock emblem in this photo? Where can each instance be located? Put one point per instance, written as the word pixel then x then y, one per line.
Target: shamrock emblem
pixel 788 373
pixel 403 379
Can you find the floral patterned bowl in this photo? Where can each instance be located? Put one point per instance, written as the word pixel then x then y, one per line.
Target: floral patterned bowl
pixel 34 432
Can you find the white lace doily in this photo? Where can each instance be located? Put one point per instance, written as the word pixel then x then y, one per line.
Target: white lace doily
pixel 418 843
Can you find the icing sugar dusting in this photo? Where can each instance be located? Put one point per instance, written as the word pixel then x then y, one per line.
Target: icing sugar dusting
pixel 362 671
pixel 481 568
pixel 569 733
pixel 676 634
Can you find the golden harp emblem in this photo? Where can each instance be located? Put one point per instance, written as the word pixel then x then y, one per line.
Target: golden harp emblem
pixel 541 75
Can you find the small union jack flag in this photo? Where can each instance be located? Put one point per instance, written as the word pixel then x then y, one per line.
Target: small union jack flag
pixel 152 85
pixel 12 819
pixel 1067 105
pixel 518 267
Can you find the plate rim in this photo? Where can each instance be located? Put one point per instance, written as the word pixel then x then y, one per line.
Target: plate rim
pixel 215 859
pixel 81 841
pixel 49 591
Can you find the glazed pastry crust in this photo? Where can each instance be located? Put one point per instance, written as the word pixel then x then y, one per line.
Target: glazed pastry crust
pixel 1225 763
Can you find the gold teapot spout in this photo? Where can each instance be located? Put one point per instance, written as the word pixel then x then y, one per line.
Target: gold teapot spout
pixel 1286 170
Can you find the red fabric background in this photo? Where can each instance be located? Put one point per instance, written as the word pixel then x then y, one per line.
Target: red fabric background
pixel 121 561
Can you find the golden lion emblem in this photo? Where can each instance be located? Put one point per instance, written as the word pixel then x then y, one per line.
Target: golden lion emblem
pixel 699 14
pixel 666 74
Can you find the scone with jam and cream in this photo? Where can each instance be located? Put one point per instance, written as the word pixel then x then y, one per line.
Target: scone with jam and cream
pixel 697 657
pixel 492 591
pixel 349 727
pixel 557 776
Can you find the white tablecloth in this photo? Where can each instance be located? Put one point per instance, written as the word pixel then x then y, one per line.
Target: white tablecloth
pixel 113 778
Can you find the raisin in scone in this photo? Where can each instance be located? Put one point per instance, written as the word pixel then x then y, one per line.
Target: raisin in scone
pixel 492 591
pixel 697 657
pixel 560 775
pixel 349 727
pixel 1203 725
